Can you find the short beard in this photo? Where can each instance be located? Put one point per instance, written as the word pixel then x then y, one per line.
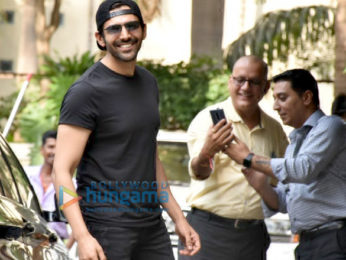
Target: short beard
pixel 118 55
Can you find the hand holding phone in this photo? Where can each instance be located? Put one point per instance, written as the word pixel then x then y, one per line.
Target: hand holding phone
pixel 217 115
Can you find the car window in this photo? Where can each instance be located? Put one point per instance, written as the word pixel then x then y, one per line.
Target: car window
pixel 14 180
pixel 7 182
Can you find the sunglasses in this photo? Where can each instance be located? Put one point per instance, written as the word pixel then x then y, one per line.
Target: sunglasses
pixel 117 28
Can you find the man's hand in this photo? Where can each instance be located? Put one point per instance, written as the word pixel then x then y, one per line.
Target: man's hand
pixel 218 137
pixel 259 182
pixel 256 179
pixel 188 236
pixel 237 150
pixel 90 249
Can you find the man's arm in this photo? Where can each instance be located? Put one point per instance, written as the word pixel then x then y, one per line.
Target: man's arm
pixel 71 141
pixel 322 146
pixel 238 151
pixel 217 138
pixel 259 182
pixel 185 232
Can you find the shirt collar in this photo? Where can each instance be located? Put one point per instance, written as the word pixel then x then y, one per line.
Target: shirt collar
pixel 313 119
pixel 308 124
pixel 235 117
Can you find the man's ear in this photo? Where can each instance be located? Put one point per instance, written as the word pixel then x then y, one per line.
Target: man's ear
pixel 100 39
pixel 307 97
pixel 266 87
pixel 230 83
pixel 144 31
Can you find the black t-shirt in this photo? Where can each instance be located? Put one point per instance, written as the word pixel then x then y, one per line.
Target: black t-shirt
pixel 117 173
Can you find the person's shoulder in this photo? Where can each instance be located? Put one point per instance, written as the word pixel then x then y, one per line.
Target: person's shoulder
pixel 143 72
pixel 333 124
pixel 91 77
pixel 332 119
pixel 84 87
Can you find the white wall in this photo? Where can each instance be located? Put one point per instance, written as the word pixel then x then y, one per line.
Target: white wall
pixel 169 36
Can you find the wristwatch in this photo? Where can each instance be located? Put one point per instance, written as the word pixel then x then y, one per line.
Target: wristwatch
pixel 247 160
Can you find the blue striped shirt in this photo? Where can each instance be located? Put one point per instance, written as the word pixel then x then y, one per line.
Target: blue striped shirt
pixel 312 177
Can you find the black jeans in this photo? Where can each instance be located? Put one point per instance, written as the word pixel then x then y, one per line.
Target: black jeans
pixel 327 245
pixel 134 243
pixel 220 240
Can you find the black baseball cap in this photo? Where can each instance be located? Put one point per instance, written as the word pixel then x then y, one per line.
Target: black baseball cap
pixel 102 14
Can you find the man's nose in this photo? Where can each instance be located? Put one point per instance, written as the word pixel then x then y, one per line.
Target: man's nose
pixel 246 85
pixel 276 105
pixel 124 33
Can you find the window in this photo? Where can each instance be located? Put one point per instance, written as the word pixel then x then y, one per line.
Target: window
pixel 8 185
pixel 14 181
pixel 6 65
pixel 7 16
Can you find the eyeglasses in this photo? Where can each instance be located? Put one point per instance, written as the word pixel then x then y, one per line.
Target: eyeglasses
pixel 239 81
pixel 117 28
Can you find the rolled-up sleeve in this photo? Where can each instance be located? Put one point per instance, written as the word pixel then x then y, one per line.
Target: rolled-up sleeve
pixel 280 190
pixel 318 150
pixel 279 169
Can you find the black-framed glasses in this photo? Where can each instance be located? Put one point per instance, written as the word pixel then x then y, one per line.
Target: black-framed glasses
pixel 240 81
pixel 117 28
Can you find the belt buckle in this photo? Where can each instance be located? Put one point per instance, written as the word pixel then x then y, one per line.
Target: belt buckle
pixel 236 223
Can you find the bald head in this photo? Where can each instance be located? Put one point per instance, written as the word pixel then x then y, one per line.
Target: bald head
pixel 245 61
pixel 248 84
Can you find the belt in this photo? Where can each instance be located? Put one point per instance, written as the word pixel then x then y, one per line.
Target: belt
pixel 235 223
pixel 316 231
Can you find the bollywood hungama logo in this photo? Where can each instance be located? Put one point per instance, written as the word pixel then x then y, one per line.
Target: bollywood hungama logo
pixel 70 197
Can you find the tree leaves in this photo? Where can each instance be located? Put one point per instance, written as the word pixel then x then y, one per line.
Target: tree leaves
pixel 278 34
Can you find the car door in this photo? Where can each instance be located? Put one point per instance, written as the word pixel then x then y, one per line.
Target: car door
pixel 23 232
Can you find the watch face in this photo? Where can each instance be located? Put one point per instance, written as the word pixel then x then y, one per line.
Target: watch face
pixel 247 160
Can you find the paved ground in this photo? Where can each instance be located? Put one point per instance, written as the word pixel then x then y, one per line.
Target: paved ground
pixel 277 251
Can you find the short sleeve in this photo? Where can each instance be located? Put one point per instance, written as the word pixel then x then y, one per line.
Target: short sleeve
pixel 79 106
pixel 196 133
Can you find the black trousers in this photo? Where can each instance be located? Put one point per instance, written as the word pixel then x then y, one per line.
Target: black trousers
pixel 326 245
pixel 221 240
pixel 134 243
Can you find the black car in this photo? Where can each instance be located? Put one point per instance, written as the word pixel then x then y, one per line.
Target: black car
pixel 24 233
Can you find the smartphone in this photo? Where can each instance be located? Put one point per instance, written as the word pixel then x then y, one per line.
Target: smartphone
pixel 217 115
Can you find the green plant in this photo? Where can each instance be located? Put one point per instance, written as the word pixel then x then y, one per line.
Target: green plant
pixel 185 88
pixel 278 34
pixel 6 105
pixel 218 88
pixel 42 111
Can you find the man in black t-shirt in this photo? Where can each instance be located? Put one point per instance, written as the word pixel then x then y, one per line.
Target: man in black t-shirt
pixel 108 126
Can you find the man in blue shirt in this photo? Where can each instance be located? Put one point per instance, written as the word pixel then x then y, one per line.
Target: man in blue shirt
pixel 312 176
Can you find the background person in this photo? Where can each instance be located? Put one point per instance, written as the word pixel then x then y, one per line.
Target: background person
pixel 108 126
pixel 339 106
pixel 312 187
pixel 41 179
pixel 226 210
